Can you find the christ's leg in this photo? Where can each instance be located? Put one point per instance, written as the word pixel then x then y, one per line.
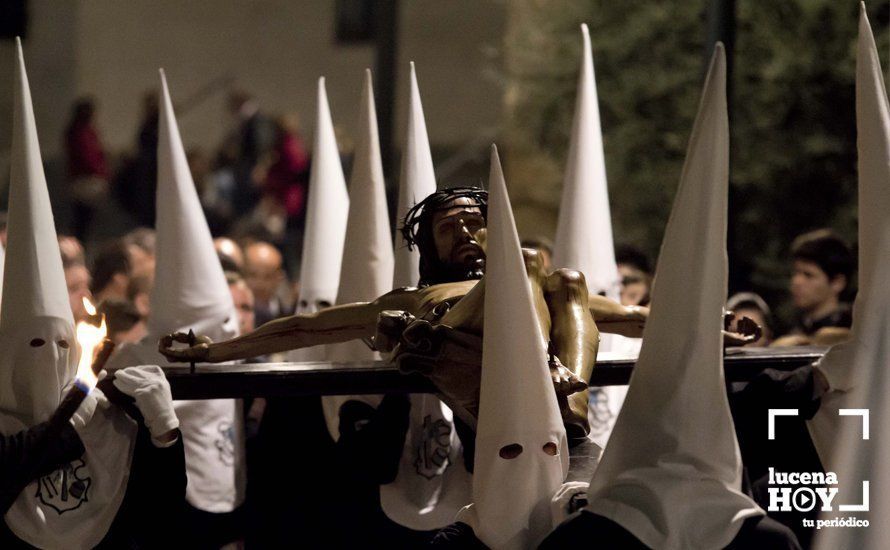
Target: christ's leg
pixel 574 339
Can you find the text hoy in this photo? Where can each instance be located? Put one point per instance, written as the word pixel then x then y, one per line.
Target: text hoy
pixel 804 499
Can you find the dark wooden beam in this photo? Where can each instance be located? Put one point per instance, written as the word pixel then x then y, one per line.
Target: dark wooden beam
pixel 323 378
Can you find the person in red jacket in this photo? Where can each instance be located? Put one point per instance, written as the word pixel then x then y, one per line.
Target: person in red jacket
pixel 87 168
pixel 287 183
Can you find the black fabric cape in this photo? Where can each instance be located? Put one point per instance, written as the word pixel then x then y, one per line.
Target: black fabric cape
pixel 148 515
pixel 301 481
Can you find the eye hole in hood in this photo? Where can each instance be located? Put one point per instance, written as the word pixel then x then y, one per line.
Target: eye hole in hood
pixel 37 342
pixel 510 451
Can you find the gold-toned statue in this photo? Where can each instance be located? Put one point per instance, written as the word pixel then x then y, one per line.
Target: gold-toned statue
pixel 436 329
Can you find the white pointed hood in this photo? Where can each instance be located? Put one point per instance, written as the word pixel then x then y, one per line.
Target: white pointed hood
pixel 674 441
pixel 367 263
pixel 190 289
pixel 191 293
pixel 517 404
pixel 417 182
pixel 584 233
pixel 873 146
pixel 40 357
pixel 325 216
pixel 36 304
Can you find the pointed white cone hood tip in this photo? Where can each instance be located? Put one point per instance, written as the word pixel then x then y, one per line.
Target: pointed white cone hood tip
pixel 584 230
pixel 873 146
pixel 873 167
pixel 326 213
pixel 367 264
pixel 35 282
pixel 416 182
pixel 190 289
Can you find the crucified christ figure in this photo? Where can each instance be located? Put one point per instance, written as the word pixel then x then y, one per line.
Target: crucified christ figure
pixel 436 328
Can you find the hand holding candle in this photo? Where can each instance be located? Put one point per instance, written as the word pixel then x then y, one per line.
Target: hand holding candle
pixel 91 403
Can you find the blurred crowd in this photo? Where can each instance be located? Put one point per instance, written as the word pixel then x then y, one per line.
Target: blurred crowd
pixel 253 187
pixel 121 275
pixel 252 190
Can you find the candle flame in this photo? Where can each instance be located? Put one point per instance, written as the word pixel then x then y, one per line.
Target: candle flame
pixel 88 305
pixel 89 337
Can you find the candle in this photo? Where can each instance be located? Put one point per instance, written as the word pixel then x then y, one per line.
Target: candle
pixel 95 350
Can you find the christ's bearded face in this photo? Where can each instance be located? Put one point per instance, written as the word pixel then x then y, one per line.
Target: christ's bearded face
pixel 445 227
pixel 454 227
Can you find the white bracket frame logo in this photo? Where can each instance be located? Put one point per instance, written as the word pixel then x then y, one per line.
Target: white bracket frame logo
pixel 862 413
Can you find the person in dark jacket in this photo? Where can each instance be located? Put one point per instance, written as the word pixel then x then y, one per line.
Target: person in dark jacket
pixel 823 267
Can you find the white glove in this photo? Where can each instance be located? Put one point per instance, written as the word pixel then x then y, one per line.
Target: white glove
pixel 149 387
pixel 87 408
